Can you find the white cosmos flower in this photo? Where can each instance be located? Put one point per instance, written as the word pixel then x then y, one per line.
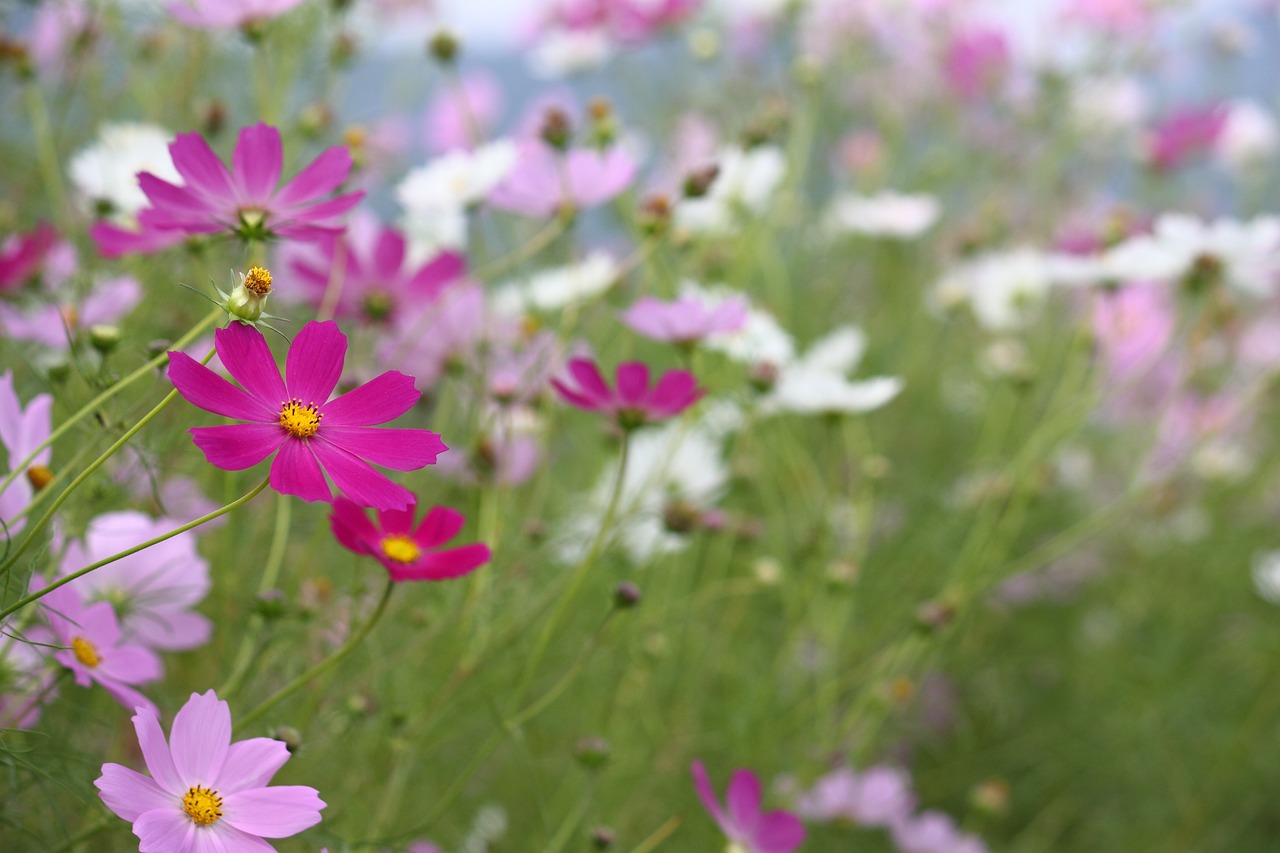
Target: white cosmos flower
pixel 1247 252
pixel 760 340
pixel 817 382
pixel 746 181
pixel 106 172
pixel 1249 136
pixel 557 288
pixel 561 52
pixel 1004 288
pixel 885 214
pixel 1266 575
pixel 435 197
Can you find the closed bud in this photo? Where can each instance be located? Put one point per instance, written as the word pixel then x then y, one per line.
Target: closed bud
pixel 315 119
pixel 343 49
pixel 270 604
pixel 654 217
pixel 991 797
pixel 289 736
pixel 104 338
pixel 39 476
pixel 603 122
pixel 248 299
pixel 626 595
pixel 932 615
pixel 602 838
pixel 556 129
pixel 680 516
pixel 444 47
pixel 763 376
pixel 212 116
pixel 698 182
pixel 591 752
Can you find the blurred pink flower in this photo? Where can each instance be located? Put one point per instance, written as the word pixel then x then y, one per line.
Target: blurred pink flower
pixel 21 431
pixel 22 255
pixel 686 320
pixel 545 181
pixel 1133 327
pixel 462 115
pixel 295 416
pixel 1118 17
pixel 226 14
pixel 934 832
pixel 29 681
pixel 1184 133
pixel 632 403
pixel 58 325
pixel 408 552
pixel 880 796
pixel 60 28
pixel 430 339
pixel 976 60
pixel 206 793
pixel 742 821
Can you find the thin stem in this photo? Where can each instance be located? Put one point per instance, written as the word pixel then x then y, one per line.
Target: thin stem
pixel 207 517
pixel 536 244
pixel 324 665
pixel 46 152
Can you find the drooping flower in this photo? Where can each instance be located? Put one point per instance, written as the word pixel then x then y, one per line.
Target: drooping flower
pixel 205 792
pixel 228 14
pixel 545 181
pixel 295 416
pixel 153 590
pixel 632 403
pixel 686 320
pixel 246 201
pixel 407 552
pixel 741 819
pixel 21 431
pixel 91 646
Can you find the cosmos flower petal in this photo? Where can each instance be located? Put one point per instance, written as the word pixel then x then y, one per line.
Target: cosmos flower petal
pixel 234 447
pixel 443 565
pixel 397 520
pixel 314 363
pixel 439 525
pixel 779 832
pixel 325 174
pixel 388 253
pixel 352 527
pixel 273 812
pixel 743 799
pixel 235 841
pixel 128 793
pixel 633 382
pixel 200 168
pixel 203 388
pixel 589 379
pixel 319 218
pixel 131 665
pixel 357 479
pixel 706 793
pixel 675 391
pixel 164 831
pixel 251 764
pixel 171 199
pixel 126 695
pixel 155 752
pixel 243 351
pixel 383 398
pixel 573 397
pixel 397 449
pixel 295 471
pixel 256 163
pixel 200 738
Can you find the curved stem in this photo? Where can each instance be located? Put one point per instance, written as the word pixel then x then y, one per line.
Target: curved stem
pixel 207 517
pixel 536 244
pixel 324 665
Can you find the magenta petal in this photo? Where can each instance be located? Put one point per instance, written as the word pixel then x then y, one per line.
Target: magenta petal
pixel 443 565
pixel 200 168
pixel 314 363
pixel 383 398
pixel 155 752
pixel 201 737
pixel 312 219
pixel 633 383
pixel 442 269
pixel 438 526
pixel 356 479
pixel 273 812
pixel 351 526
pixel 706 793
pixel 251 764
pixel 575 398
pixel 234 447
pixel 203 388
pixel 243 351
pixel 397 521
pixel 397 449
pixel 296 472
pixel 256 162
pixel 128 793
pixel 325 174
pixel 589 379
pixel 675 391
pixel 388 254
pixel 173 199
pixel 779 832
pixel 743 800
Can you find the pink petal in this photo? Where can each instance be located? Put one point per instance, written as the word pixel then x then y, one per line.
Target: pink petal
pixel 256 162
pixel 203 388
pixel 131 664
pixel 351 526
pixel 243 351
pixel 779 832
pixel 357 480
pixel 126 695
pixel 235 841
pixel 743 800
pixel 296 472
pixel 165 830
pixel 200 738
pixel 633 382
pixel 251 764
pixel 174 200
pixel 155 752
pixel 325 174
pixel 702 783
pixel 388 255
pixel 314 364
pixel 575 398
pixel 313 219
pixel 675 392
pixel 442 269
pixel 383 398
pixel 438 526
pixel 234 447
pixel 129 793
pixel 397 449
pixel 442 565
pixel 200 168
pixel 398 520
pixel 273 812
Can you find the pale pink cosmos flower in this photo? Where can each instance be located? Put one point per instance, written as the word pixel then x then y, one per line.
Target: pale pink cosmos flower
pixel 1118 17
pixel 407 551
pixel 60 28
pixel 686 320
pixel 153 590
pixel 1133 328
pixel 442 332
pixel 206 793
pixel 1183 134
pixel 742 821
pixel 462 115
pixel 228 14
pixel 545 181
pixel 880 796
pixel 58 323
pixel 976 59
pixel 22 430
pixel 933 832
pixel 294 416
pixel 91 646
pixel 632 403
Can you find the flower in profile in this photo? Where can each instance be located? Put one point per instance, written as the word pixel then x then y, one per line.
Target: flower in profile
pixel 227 14
pixel 632 403
pixel 686 320
pixel 246 200
pixel 742 821
pixel 205 792
pixel 544 181
pixel 21 431
pixel 294 416
pixel 1184 133
pixel 22 255
pixel 409 553
pixel 91 646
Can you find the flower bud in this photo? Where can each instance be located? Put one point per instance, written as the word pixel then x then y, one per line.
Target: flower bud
pixel 933 615
pixel 991 797
pixel 602 838
pixel 680 516
pixel 556 129
pixel 444 47
pixel 289 736
pixel 698 182
pixel 591 752
pixel 39 476
pixel 654 217
pixel 270 604
pixel 602 122
pixel 248 298
pixel 343 49
pixel 104 338
pixel 626 595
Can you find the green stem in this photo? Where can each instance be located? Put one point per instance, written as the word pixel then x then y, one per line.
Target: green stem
pixel 207 517
pixel 324 665
pixel 46 152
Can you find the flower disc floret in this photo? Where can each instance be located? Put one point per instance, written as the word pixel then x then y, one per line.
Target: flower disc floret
pixel 202 805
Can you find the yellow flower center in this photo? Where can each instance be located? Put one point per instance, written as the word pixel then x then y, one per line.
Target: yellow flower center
pixel 39 476
pixel 400 548
pixel 202 805
pixel 298 420
pixel 85 652
pixel 258 281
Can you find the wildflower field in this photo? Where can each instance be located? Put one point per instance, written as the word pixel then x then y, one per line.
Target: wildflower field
pixel 639 425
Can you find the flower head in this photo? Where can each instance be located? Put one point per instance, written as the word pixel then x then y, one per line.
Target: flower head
pixel 633 403
pixel 205 792
pixel 22 255
pixel 544 181
pixel 742 821
pixel 294 415
pixel 409 553
pixel 687 320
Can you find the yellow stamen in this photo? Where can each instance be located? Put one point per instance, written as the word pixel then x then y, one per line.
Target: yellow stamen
pixel 258 281
pixel 39 476
pixel 298 420
pixel 401 549
pixel 85 652
pixel 202 805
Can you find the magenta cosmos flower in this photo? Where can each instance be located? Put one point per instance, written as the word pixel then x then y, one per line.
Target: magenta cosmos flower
pixel 244 201
pixel 743 822
pixel 21 255
pixel 206 793
pixel 226 14
pixel 686 320
pixel 633 403
pixel 294 416
pixel 409 553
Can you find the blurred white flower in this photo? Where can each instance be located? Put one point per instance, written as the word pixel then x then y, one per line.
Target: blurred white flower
pixel 747 180
pixel 1003 288
pixel 435 197
pixel 1266 575
pixel 760 340
pixel 817 382
pixel 1109 106
pixel 560 52
pixel 558 288
pixel 1248 138
pixel 106 173
pixel 885 214
pixel 1245 254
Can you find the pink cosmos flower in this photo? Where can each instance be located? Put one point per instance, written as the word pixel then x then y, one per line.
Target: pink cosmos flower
pixel 934 832
pixel 462 115
pixel 295 416
pixel 975 60
pixel 1120 17
pixel 152 590
pixel 21 431
pixel 409 553
pixel 206 793
pixel 244 201
pixel 545 181
pixel 57 324
pixel 1183 134
pixel 113 241
pixel 226 14
pixel 22 255
pixel 92 648
pixel 686 320
pixel 444 330
pixel 881 796
pixel 376 281
pixel 60 29
pixel 633 403
pixel 743 822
